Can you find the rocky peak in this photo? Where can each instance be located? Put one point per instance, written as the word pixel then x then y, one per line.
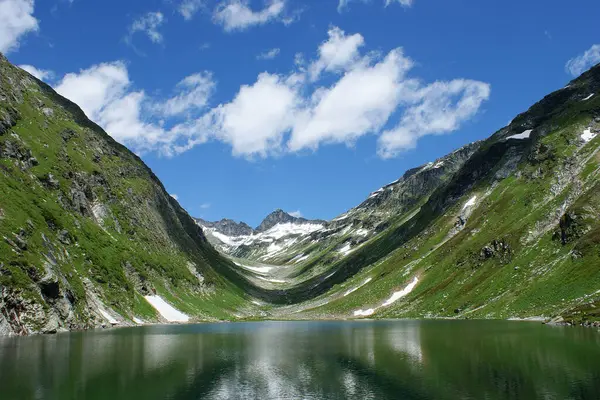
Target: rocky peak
pixel 227 227
pixel 277 217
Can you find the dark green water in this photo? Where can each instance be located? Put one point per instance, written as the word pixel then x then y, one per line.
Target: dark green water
pixel 307 360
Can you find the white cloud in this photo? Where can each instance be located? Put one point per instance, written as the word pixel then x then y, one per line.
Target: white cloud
pixel 359 103
pixel 149 25
pixel 279 114
pixel 578 65
pixel 269 54
pixel 173 195
pixel 337 53
pixel 237 15
pixel 105 94
pixel 255 121
pixel 16 20
pixel 188 8
pixel 41 74
pixel 296 214
pixel 194 93
pixel 205 206
pixel 435 109
pixel 342 4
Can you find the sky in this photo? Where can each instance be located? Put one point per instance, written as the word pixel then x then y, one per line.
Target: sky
pixel 242 107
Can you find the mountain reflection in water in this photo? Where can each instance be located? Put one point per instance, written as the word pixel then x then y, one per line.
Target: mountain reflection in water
pixel 307 360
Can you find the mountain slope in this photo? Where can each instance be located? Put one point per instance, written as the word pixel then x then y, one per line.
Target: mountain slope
pixel 86 228
pixel 514 233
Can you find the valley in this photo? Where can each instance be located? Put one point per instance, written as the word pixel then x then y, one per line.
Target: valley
pixel 503 228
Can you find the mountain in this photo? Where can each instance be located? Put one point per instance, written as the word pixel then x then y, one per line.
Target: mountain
pixel 227 227
pixel 276 232
pixel 89 236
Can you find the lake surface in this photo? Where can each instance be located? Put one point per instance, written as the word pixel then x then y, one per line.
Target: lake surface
pixel 307 360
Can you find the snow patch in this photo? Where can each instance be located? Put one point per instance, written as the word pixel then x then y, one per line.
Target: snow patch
pixel 345 250
pixel 111 320
pixel 589 97
pixel 398 295
pixel 138 321
pixel 168 312
pixel 588 135
pixel 470 203
pixel 364 313
pixel 260 270
pixel 362 232
pixel 521 136
pixel 394 298
pixel 341 218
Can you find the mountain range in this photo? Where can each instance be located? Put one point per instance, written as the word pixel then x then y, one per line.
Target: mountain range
pixel 507 227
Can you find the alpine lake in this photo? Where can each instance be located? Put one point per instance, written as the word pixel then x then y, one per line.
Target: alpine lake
pixel 404 359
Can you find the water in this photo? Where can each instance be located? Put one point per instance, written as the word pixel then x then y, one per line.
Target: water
pixel 307 360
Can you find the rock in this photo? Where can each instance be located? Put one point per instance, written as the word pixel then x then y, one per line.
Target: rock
pixel 8 119
pixel 64 237
pixel 48 112
pixel 20 242
pixel 68 134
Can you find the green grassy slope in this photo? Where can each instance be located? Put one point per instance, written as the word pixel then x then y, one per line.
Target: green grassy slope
pixel 82 218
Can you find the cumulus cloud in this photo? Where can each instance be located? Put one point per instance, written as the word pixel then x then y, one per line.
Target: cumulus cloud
pixel 337 53
pixel 193 94
pixel 370 94
pixel 188 8
pixel 148 24
pixel 236 15
pixel 255 121
pixel 578 65
pixel 296 214
pixel 434 109
pixel 104 92
pixel 41 74
pixel 342 4
pixel 359 103
pixel 269 54
pixel 16 20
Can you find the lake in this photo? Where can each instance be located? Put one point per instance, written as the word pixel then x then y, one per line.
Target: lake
pixel 307 360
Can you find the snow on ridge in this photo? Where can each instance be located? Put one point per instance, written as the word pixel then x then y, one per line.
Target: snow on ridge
pixel 589 97
pixel 273 234
pixel 588 135
pixel 522 135
pixel 289 228
pixel 168 312
pixel 470 203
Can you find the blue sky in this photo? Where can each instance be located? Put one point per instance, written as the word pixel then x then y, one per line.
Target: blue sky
pixel 242 107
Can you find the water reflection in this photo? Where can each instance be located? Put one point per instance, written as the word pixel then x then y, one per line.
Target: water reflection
pixel 307 360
